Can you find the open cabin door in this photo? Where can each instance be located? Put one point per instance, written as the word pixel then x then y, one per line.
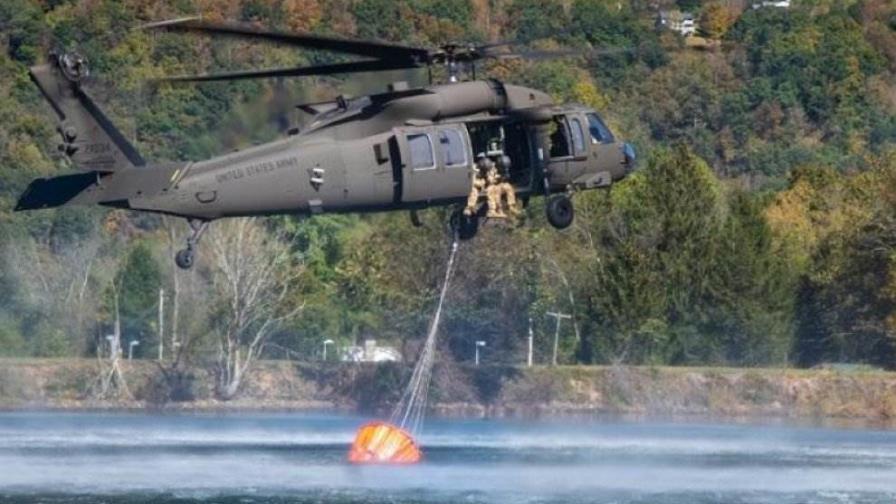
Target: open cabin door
pixel 436 162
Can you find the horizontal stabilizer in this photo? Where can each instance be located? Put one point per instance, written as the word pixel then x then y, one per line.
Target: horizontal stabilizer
pixel 54 192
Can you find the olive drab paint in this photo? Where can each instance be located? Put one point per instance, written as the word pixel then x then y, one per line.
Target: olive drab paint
pixel 405 149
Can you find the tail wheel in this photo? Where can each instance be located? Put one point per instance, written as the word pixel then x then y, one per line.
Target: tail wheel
pixel 466 226
pixel 559 211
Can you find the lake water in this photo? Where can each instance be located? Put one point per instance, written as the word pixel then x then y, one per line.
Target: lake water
pixel 295 458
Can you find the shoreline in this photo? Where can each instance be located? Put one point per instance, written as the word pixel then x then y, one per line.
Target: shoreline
pixel 813 396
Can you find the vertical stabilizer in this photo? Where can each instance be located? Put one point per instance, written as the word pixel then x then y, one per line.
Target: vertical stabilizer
pixel 89 139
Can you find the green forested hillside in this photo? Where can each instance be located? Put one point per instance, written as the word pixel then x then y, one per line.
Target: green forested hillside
pixel 759 229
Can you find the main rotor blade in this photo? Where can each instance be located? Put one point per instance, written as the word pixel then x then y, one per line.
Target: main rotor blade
pixel 517 42
pixel 337 68
pixel 564 53
pixel 499 43
pixel 380 50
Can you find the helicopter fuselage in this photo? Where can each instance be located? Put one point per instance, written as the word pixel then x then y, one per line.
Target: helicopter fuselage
pixel 376 154
pixel 403 149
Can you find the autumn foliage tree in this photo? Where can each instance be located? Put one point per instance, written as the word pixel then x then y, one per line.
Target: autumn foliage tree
pixel 716 18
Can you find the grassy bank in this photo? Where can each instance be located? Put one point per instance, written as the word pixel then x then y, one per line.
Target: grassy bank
pixel 471 391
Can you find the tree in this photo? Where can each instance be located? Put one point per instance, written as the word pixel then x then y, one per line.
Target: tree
pixel 253 271
pixel 715 19
pixel 21 21
pixel 187 309
pixel 534 19
pixel 383 19
pixel 301 15
pixel 683 270
pixel 840 230
pixel 138 283
pixel 57 278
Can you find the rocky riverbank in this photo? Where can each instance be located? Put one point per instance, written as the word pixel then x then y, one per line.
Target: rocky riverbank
pixel 486 391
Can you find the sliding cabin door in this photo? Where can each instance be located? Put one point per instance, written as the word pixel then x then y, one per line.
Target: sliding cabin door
pixel 436 162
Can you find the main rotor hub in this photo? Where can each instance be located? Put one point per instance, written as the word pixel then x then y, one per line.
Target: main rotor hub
pixel 452 55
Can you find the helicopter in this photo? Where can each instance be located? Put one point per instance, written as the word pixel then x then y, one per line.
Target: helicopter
pixel 407 148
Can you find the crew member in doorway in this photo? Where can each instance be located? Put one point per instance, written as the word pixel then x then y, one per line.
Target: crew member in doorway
pixel 480 169
pixel 499 193
pixel 493 192
pixel 506 193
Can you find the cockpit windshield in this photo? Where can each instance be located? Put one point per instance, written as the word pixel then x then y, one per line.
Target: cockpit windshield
pixel 599 131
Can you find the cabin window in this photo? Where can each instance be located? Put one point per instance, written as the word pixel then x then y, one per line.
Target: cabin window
pixel 559 139
pixel 420 147
pixel 454 152
pixel 578 137
pixel 599 131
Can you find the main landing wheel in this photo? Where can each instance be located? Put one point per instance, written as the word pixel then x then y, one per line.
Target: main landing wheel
pixel 466 226
pixel 559 211
pixel 184 258
pixel 187 256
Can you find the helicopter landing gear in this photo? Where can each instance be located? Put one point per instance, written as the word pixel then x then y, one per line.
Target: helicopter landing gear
pixel 184 258
pixel 187 256
pixel 463 226
pixel 559 211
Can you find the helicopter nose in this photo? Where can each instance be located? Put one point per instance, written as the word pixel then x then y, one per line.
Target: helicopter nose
pixel 629 152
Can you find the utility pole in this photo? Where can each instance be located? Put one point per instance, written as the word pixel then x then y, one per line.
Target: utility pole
pixel 175 309
pixel 161 322
pixel 531 338
pixel 559 317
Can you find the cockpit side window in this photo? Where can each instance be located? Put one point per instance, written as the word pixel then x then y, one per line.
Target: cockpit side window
pixel 420 149
pixel 454 151
pixel 559 138
pixel 599 131
pixel 578 138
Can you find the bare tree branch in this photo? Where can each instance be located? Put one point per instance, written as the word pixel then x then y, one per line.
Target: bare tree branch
pixel 253 273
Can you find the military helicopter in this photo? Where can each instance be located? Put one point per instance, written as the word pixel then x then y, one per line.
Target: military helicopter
pixel 402 149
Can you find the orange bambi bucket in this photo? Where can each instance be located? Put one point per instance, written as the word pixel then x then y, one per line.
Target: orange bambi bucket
pixel 383 443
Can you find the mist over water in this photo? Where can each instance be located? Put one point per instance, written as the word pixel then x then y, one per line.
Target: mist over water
pixel 52 457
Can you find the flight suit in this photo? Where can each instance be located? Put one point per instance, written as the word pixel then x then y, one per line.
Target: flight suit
pixel 479 184
pixel 493 192
pixel 506 192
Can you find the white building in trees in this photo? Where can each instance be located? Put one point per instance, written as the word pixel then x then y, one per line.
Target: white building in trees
pixel 680 22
